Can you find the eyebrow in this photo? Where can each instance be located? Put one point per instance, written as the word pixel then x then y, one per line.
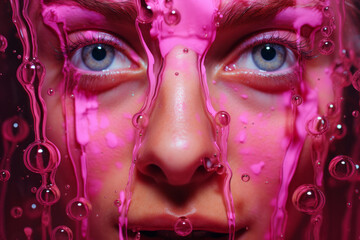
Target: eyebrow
pixel 242 11
pixel 125 8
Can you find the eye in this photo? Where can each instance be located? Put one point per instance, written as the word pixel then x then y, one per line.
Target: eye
pixel 99 57
pixel 269 57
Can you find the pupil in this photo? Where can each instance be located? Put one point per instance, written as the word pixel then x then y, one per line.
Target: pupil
pixel 268 52
pixel 99 53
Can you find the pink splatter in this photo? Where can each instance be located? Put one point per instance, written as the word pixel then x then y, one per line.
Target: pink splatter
pixel 256 168
pixel 111 140
pixel 241 136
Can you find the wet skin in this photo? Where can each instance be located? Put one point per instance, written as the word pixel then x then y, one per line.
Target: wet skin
pixel 169 178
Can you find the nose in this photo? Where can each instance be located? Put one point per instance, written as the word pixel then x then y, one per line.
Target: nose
pixel 179 134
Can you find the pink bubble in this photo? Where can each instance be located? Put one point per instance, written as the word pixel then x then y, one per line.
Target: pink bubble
pixel 50 91
pixel 15 129
pixel 172 17
pixel 356 80
pixel 296 100
pixel 62 233
pixel 340 131
pixel 355 113
pixel 342 167
pixel 41 157
pixel 317 126
pixel 78 209
pixel 326 46
pixel 222 118
pixel 140 121
pixel 245 177
pixel 326 31
pixel 4 175
pixel 3 43
pixel 29 70
pixel 48 195
pixel 183 226
pixel 308 199
pixel 16 212
pixel 328 12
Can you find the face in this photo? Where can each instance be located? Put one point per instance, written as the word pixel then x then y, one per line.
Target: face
pixel 153 117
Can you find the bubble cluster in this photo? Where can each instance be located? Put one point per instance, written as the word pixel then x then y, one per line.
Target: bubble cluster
pixel 41 157
pixel 296 100
pixel 308 199
pixel 342 167
pixel 3 43
pixel 326 46
pixel 48 194
pixel 16 212
pixel 317 126
pixel 4 175
pixel 78 209
pixel 183 226
pixel 61 233
pixel 222 118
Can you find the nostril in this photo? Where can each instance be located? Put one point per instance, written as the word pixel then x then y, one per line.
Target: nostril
pixel 155 172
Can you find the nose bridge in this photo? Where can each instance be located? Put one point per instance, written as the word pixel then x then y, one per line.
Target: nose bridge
pixel 179 134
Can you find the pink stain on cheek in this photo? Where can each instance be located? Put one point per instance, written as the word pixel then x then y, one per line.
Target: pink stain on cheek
pixel 243 119
pixel 256 168
pixel 104 122
pixel 127 115
pixel 111 140
pixel 94 186
pixel 118 165
pixel 241 136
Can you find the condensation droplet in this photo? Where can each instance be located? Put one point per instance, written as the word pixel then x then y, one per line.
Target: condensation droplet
pixel 4 175
pixel 3 43
pixel 210 164
pixel 28 232
pixel 78 209
pixel 28 70
pixel 33 189
pixel 245 177
pixel 342 167
pixel 348 204
pixel 331 109
pixel 308 199
pixel 140 121
pixel 327 11
pixel 168 3
pixel 220 169
pixel 176 73
pixel 326 46
pixel 62 233
pixel 117 203
pixel 296 100
pixel 183 226
pixel 50 91
pixel 326 31
pixel 222 118
pixel 341 74
pixel 317 126
pixel 48 194
pixel 355 113
pixel 15 129
pixel 356 80
pixel 172 17
pixel 185 50
pixel 41 157
pixel 340 131
pixel 16 212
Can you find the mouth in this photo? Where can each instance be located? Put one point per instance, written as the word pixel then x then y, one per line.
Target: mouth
pixel 171 235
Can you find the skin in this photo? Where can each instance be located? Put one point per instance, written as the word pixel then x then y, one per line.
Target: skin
pixel 169 178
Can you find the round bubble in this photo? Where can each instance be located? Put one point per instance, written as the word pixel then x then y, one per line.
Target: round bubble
pixel 172 17
pixel 355 113
pixel 15 129
pixel 296 100
pixel 222 118
pixel 342 167
pixel 328 12
pixel 183 226
pixel 3 43
pixel 326 31
pixel 340 131
pixel 117 203
pixel 16 212
pixel 28 71
pixel 48 194
pixel 356 80
pixel 245 177
pixel 331 109
pixel 4 175
pixel 61 233
pixel 50 91
pixel 41 157
pixel 326 46
pixel 140 121
pixel 308 199
pixel 78 209
pixel 317 126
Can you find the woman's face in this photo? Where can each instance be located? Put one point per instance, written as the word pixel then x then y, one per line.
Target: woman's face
pixel 258 69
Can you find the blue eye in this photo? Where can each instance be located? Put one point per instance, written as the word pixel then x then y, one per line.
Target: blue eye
pixel 269 57
pixel 97 57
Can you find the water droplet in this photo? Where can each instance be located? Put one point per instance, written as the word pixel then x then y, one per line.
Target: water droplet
pixel 308 199
pixel 41 157
pixel 355 113
pixel 331 109
pixel 3 43
pixel 326 46
pixel 140 121
pixel 33 189
pixel 220 169
pixel 67 186
pixel 51 92
pixel 138 236
pixel 78 209
pixel 48 194
pixel 349 205
pixel 327 11
pixel 185 50
pixel 341 167
pixel 296 100
pixel 168 3
pixel 28 232
pixel 15 129
pixel 172 17
pixel 29 70
pixel 16 212
pixel 4 175
pixel 62 233
pixel 356 80
pixel 317 125
pixel 176 74
pixel 245 177
pixel 222 118
pixel 326 31
pixel 117 203
pixel 210 164
pixel 340 131
pixel 341 74
pixel 183 226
